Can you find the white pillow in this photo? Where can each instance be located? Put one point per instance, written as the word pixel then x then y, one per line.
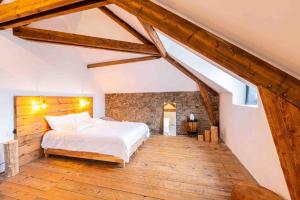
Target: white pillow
pixel 84 124
pixel 81 116
pixel 62 123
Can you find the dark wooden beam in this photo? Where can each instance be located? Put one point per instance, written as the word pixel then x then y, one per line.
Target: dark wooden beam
pixel 203 89
pixel 154 37
pixel 216 49
pixel 284 122
pixel 124 61
pixel 123 24
pixel 82 41
pixel 23 8
pixel 23 12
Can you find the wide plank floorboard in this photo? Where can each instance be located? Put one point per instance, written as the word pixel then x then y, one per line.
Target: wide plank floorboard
pixel 163 168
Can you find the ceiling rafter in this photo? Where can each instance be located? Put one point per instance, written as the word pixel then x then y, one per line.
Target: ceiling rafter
pixel 204 91
pixel 124 61
pixel 123 24
pixel 153 36
pixel 284 122
pixel 23 12
pixel 203 88
pixel 156 40
pixel 57 37
pixel 231 57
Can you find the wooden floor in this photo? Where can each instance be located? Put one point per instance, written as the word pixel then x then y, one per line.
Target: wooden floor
pixel 164 168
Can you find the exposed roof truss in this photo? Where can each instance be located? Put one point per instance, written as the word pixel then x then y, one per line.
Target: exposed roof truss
pixel 276 86
pixel 203 88
pixel 57 37
pixel 24 12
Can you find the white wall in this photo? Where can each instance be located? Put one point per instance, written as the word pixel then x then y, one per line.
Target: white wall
pixel 149 76
pixel 244 129
pixel 246 132
pixel 39 69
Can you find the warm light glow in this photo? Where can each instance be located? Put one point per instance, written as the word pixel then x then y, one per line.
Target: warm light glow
pixel 37 105
pixel 44 106
pixel 83 103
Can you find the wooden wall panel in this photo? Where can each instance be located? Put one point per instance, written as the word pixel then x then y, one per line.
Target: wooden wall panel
pixel 31 124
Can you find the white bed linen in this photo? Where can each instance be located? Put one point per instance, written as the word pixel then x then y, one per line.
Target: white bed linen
pixel 105 137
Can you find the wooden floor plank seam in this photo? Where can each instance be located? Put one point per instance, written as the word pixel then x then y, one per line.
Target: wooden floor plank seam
pixel 164 168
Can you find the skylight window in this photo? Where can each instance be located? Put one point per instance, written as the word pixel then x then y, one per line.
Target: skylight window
pixel 242 94
pixel 251 95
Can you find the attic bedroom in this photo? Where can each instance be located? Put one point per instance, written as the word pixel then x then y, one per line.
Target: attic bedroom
pixel 149 99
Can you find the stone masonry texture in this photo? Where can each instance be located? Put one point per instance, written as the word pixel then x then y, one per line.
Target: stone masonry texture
pixel 148 108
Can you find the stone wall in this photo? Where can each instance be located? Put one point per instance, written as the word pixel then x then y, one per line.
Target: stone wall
pixel 148 108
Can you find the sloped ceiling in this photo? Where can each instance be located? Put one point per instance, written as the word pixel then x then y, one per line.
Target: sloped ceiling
pixel 246 24
pixel 148 76
pixel 269 29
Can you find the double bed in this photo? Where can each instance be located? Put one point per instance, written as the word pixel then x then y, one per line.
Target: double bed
pixel 93 138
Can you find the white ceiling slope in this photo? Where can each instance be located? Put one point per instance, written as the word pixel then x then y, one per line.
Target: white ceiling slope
pixel 218 80
pixel 148 76
pixel 269 29
pixel 236 21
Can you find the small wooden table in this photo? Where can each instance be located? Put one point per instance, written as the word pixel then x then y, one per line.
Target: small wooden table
pixel 192 128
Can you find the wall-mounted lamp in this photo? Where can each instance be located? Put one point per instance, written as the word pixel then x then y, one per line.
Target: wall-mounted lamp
pixel 37 105
pixel 83 103
pixel 44 105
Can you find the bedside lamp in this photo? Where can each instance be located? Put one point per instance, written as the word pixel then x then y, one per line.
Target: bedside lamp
pixel 37 105
pixel 83 103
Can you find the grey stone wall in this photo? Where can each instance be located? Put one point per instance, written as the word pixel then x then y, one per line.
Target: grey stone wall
pixel 148 108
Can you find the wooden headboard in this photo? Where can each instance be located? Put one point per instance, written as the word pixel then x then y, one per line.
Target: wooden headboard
pixel 30 123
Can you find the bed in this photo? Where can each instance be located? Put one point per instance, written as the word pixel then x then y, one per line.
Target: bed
pixel 96 139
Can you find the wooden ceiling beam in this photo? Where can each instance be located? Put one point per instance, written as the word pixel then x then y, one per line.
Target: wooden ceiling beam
pixel 157 42
pixel 82 41
pixel 231 57
pixel 24 8
pixel 154 37
pixel 124 61
pixel 203 89
pixel 284 121
pixel 123 24
pixel 23 12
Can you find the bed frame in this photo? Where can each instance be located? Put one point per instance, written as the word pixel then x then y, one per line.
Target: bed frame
pixel 85 155
pixel 31 125
pixel 94 156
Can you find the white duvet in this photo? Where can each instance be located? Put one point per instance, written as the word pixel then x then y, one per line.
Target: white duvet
pixel 105 137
